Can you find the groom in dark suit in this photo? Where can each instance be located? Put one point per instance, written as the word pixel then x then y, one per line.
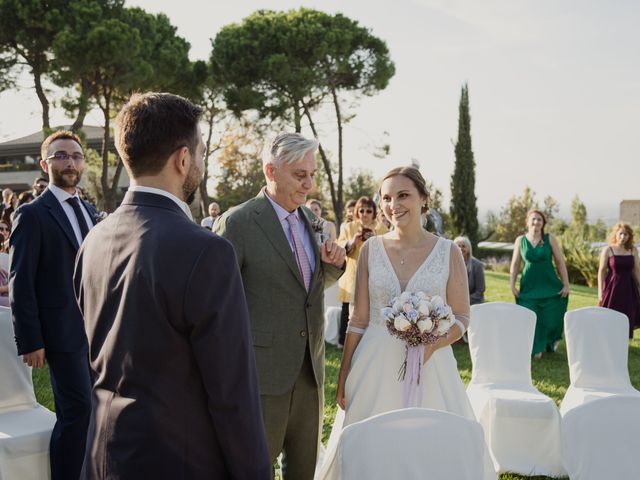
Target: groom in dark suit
pixel 48 325
pixel 176 393
pixel 285 272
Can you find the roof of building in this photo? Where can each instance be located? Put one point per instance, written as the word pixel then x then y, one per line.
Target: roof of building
pixel 30 144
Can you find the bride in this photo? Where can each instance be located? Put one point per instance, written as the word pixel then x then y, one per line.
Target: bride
pixel 406 259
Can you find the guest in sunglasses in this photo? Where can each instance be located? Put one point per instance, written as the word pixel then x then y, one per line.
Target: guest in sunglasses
pixel 352 236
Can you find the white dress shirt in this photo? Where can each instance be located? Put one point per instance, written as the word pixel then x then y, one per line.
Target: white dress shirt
pixel 183 205
pixel 62 197
pixel 302 231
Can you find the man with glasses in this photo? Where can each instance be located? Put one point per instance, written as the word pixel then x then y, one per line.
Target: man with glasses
pixel 39 186
pixel 46 236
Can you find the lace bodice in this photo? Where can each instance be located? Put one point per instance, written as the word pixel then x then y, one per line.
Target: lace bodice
pixel 431 277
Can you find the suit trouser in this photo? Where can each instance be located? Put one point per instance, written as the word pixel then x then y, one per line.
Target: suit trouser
pixel 292 424
pixel 71 386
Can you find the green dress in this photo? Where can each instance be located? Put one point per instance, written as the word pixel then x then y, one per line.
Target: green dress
pixel 540 291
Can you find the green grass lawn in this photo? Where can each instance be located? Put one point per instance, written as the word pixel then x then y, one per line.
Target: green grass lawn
pixel 550 375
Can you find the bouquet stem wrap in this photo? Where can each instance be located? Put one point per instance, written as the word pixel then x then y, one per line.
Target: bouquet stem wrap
pixel 412 388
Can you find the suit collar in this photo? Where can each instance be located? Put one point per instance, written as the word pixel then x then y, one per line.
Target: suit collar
pixel 55 208
pixel 151 200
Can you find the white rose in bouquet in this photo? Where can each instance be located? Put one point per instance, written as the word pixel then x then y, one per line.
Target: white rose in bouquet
pixel 443 326
pixel 397 305
pixel 437 302
pixel 401 323
pixel 424 307
pixel 425 325
pixel 405 296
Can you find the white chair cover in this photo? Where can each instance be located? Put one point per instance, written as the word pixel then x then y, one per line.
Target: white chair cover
pixel 25 426
pixel 332 324
pixel 412 443
pixel 601 409
pixel 521 425
pixel 600 438
pixel 597 352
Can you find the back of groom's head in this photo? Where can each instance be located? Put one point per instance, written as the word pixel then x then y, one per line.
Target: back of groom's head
pixel 151 126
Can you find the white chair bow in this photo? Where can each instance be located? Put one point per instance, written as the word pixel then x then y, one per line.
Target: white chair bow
pixel 601 409
pixel 25 426
pixel 521 425
pixel 412 443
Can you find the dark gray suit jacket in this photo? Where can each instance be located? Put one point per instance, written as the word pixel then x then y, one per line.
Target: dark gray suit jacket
pixel 176 393
pixel 286 320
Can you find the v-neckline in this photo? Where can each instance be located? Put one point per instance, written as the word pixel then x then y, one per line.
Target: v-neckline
pixel 537 244
pixel 393 271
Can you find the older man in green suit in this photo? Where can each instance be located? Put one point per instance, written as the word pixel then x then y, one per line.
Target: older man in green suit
pixel 285 272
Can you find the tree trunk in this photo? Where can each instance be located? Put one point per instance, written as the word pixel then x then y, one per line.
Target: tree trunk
pixel 204 194
pixel 327 167
pixel 37 80
pixel 109 203
pixel 339 202
pixel 297 117
pixel 83 105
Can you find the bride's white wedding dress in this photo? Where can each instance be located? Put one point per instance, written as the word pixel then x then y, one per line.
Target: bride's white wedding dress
pixel 372 386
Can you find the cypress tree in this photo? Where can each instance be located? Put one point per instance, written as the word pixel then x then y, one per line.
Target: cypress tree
pixel 464 212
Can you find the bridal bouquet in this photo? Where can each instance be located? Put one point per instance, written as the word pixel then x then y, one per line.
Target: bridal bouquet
pixel 416 319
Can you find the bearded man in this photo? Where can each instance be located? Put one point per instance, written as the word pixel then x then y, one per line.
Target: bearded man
pixel 176 389
pixel 47 234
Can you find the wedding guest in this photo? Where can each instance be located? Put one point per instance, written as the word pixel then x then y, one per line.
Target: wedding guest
pixel 9 205
pixel 285 272
pixel 328 228
pixel 475 271
pixel 214 212
pixel 39 186
pixel 352 236
pixel 619 275
pixel 5 231
pixel 540 288
pixel 25 197
pixel 175 393
pixel 48 325
pixel 348 211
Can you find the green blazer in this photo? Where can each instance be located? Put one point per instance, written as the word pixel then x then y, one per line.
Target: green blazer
pixel 285 319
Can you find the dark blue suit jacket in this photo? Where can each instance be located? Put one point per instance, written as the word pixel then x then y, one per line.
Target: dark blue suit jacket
pixel 43 250
pixel 176 390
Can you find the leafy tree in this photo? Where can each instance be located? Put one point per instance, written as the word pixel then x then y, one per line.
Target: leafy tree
pixel 464 212
pixel 113 51
pixel 513 217
pixel 361 183
pixel 285 64
pixel 241 176
pixel 578 213
pixel 27 32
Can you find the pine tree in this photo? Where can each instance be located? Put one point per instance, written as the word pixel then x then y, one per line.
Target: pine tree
pixel 464 212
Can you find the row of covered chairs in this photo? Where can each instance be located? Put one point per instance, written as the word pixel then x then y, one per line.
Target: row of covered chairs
pixel 593 434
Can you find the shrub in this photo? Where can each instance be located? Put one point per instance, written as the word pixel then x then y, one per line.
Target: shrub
pixel 581 258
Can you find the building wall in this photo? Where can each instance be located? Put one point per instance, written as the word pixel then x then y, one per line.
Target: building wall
pixel 630 212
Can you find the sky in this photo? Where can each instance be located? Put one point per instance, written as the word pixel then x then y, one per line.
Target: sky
pixel 554 92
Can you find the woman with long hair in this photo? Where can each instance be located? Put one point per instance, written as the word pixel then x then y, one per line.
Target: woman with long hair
pixel 619 275
pixel 352 236
pixel 541 290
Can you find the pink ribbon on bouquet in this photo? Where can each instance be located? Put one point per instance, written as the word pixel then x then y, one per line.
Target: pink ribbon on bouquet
pixel 412 389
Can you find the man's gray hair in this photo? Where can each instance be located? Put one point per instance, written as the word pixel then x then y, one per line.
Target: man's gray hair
pixel 466 241
pixel 288 148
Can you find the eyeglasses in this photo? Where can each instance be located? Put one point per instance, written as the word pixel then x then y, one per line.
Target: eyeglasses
pixel 365 210
pixel 4 229
pixel 75 156
pixel 40 186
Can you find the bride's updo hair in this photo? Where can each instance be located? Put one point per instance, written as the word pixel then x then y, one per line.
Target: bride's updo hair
pixel 413 174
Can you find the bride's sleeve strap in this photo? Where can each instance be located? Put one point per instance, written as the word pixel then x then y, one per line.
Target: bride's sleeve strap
pixel 359 319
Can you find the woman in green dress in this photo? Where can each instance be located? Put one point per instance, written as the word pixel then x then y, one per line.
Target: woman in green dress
pixel 540 288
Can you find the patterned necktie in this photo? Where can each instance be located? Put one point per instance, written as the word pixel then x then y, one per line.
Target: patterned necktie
pixel 298 248
pixel 75 204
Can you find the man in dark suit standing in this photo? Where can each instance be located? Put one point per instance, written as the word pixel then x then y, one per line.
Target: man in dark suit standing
pixel 176 392
pixel 48 325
